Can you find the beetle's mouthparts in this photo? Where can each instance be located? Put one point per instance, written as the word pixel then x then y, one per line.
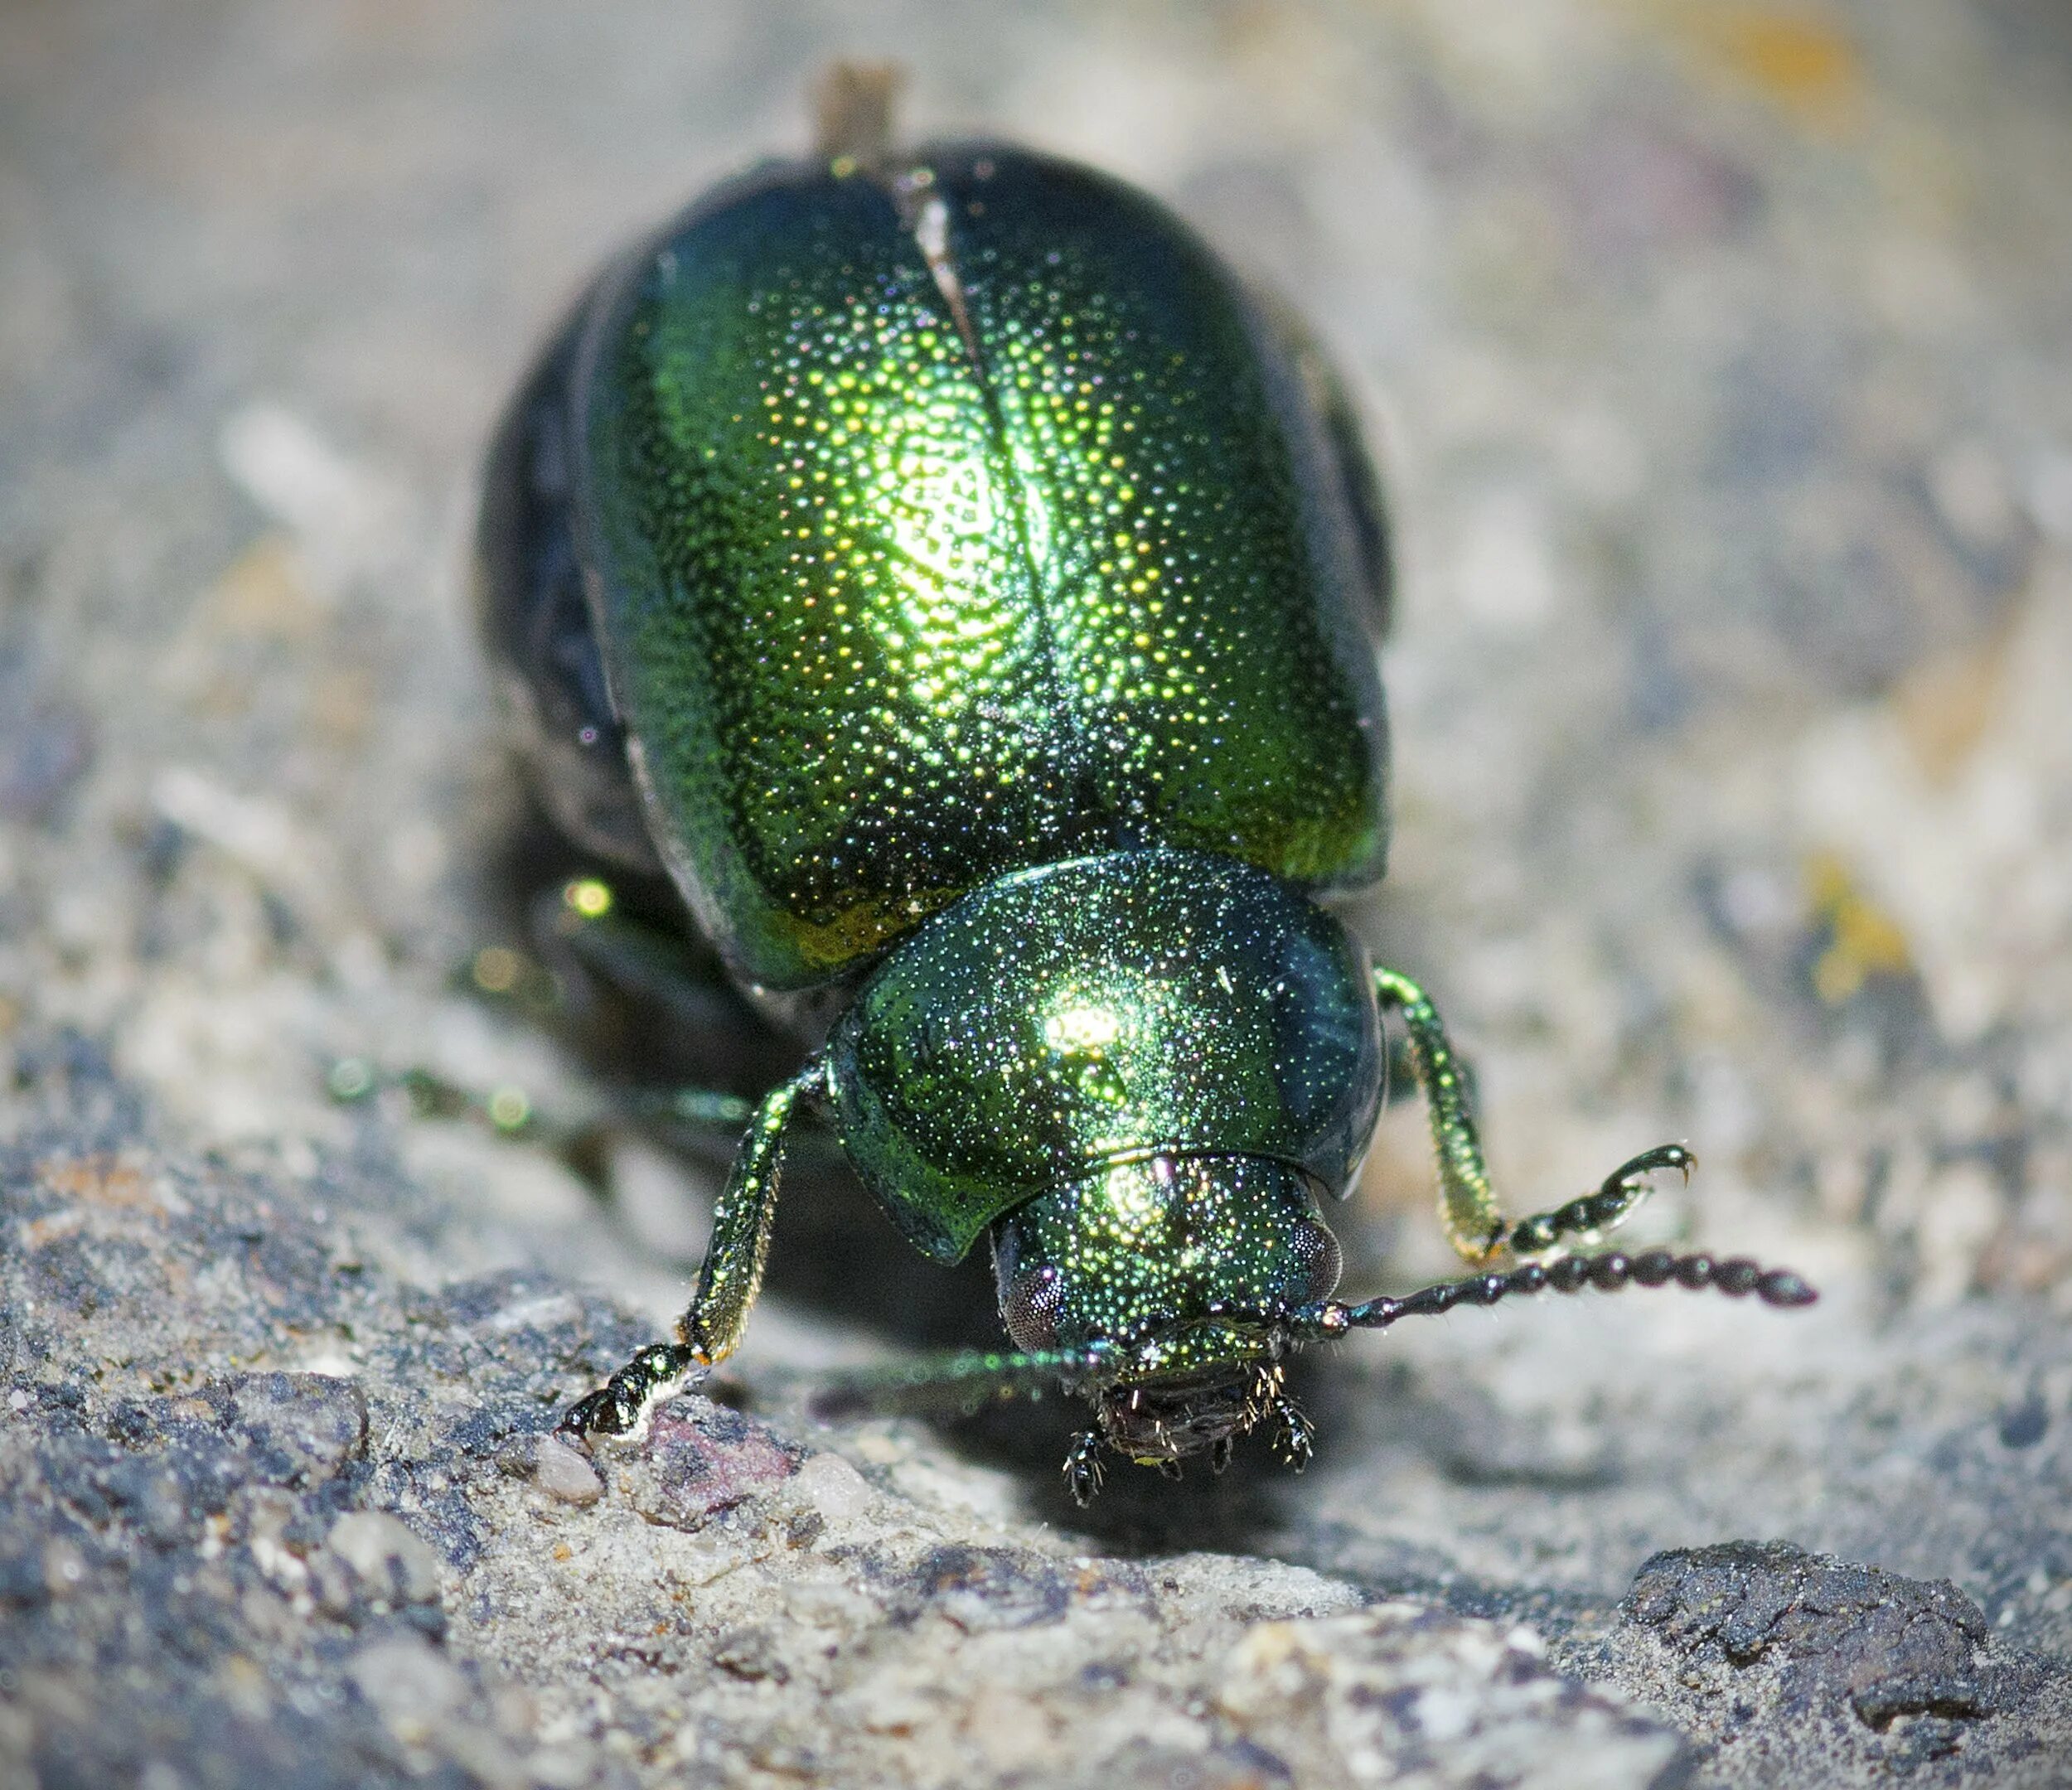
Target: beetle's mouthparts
pixel 1156 1421
pixel 1161 1422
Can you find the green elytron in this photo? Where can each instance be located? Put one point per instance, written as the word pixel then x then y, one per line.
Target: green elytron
pixel 970 594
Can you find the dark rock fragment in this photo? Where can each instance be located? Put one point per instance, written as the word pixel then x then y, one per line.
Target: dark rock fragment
pixel 1796 1666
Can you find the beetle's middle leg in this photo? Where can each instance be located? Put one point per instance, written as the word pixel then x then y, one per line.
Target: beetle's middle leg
pixel 712 1324
pixel 595 971
pixel 1399 1076
pixel 1469 1208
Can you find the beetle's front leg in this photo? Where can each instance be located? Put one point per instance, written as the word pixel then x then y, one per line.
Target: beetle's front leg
pixel 1468 1206
pixel 711 1327
pixel 1399 1076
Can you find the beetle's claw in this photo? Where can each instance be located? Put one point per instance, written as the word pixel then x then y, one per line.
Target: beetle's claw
pixel 590 1415
pixel 1630 1174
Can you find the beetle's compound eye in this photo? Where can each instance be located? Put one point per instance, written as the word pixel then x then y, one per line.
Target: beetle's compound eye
pixel 1029 1306
pixel 1319 1262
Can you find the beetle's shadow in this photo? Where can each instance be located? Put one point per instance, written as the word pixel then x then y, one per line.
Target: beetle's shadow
pixel 1139 1512
pixel 834 1252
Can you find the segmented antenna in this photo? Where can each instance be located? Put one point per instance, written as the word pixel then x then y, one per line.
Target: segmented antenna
pixel 1737 1277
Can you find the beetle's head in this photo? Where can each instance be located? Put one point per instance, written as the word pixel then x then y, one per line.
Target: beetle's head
pixel 1178 1271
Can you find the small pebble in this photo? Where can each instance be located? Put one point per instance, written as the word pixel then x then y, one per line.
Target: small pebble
pixel 562 1473
pixel 833 1487
pixel 390 1559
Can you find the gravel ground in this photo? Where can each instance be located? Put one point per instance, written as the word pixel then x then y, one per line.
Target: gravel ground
pixel 1719 358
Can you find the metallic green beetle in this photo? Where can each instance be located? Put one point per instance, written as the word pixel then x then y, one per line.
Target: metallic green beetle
pixel 969 592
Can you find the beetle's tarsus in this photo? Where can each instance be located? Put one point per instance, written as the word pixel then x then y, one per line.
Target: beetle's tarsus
pixel 1294 1435
pixel 1621 1194
pixel 622 1406
pixel 1083 1472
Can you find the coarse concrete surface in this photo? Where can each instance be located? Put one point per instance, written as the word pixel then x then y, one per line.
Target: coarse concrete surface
pixel 1717 355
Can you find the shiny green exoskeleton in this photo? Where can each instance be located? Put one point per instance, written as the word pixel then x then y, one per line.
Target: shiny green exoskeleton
pixel 969 592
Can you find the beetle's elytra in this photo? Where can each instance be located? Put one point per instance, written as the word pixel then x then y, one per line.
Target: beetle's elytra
pixel 970 593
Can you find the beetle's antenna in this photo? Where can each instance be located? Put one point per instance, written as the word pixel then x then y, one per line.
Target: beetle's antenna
pixel 1736 1277
pixel 854 105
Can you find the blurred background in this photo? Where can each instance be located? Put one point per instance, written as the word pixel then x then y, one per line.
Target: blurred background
pixel 1717 354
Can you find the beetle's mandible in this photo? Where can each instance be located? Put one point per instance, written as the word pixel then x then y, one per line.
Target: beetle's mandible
pixel 969 593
